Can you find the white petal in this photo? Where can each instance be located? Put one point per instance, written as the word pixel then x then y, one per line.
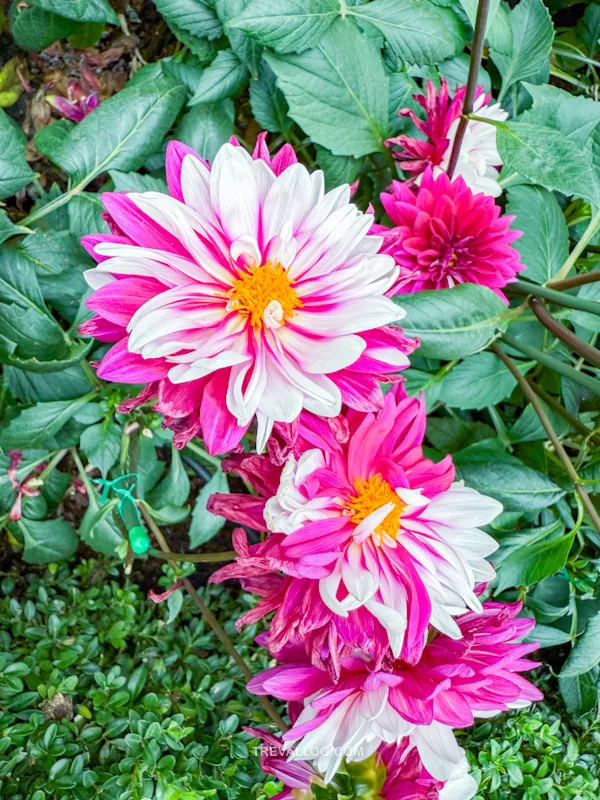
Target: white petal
pixel 234 192
pixel 321 355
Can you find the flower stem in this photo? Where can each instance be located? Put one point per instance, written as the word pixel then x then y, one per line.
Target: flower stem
pixel 589 232
pixel 211 620
pixel 474 65
pixel 203 558
pixel 551 401
pixel 577 280
pixel 559 298
pixel 547 425
pixel 201 453
pixel 561 332
pixel 593 384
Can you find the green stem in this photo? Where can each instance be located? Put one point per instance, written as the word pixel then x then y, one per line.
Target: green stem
pixel 54 461
pixel 588 234
pixel 95 380
pixel 58 202
pixel 553 363
pixel 525 289
pixel 575 56
pixel 201 453
pixel 201 558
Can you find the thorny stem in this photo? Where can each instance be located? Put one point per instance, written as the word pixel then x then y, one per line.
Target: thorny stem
pixel 476 55
pixel 547 425
pixel 211 619
pixel 593 384
pixel 562 411
pixel 525 288
pixel 561 332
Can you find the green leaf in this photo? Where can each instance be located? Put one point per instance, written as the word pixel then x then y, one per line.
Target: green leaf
pixel 205 525
pixel 35 29
pixel 546 157
pixel 533 34
pixel 528 427
pixel 174 487
pixel 121 133
pixel 15 172
pixel 134 182
pixel 32 387
pixel 269 106
pixel 80 10
pixel 85 215
pixel 33 426
pixel 207 127
pixel 248 51
pixel 101 444
pixel 479 381
pixel 24 319
pixel 539 552
pixel 452 323
pixel 9 228
pixel 225 77
pixel 417 31
pixel 448 434
pixel 338 92
pixel 420 381
pixel 287 26
pixel 588 29
pixel 504 477
pixel 580 694
pixel 337 169
pixel 97 528
pixel 586 653
pixel 47 541
pixel 76 351
pixel 196 16
pixel 544 246
pixel 587 320
pixel 575 117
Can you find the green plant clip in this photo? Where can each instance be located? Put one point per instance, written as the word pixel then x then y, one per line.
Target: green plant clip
pixel 128 510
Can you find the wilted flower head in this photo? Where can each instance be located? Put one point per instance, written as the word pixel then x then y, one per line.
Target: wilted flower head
pixel 444 235
pixel 297 776
pixel 376 528
pixel 478 159
pixel 78 103
pixel 454 682
pixel 30 486
pixel 247 293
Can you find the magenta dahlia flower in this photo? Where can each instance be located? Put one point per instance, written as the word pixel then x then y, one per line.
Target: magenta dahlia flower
pixel 377 540
pixel 444 234
pixel 247 293
pixel 478 160
pixel 368 708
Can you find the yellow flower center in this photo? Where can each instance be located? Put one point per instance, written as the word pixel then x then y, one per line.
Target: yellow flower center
pixel 371 494
pixel 259 286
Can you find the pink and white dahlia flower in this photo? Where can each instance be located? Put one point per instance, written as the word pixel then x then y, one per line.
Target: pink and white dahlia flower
pixel 371 525
pixel 369 708
pixel 248 292
pixel 407 778
pixel 444 235
pixel 478 160
pixel 297 776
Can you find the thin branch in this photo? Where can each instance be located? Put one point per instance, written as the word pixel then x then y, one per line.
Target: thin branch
pixel 474 65
pixel 593 384
pixel 558 447
pixel 524 288
pixel 551 401
pixel 211 620
pixel 561 332
pixel 200 558
pixel 577 280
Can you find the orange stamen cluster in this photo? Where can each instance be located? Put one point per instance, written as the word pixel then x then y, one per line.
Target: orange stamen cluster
pixel 371 494
pixel 259 286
